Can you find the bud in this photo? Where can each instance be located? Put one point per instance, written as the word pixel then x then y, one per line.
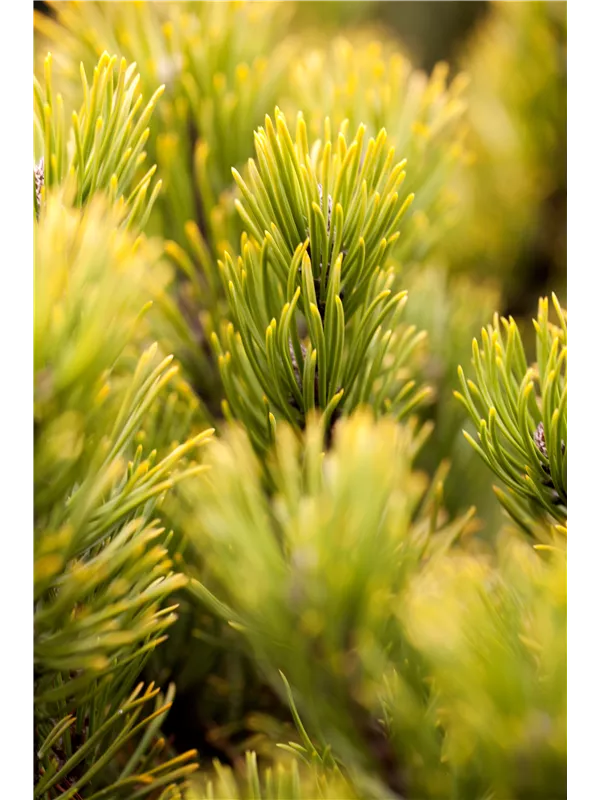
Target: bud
pixel 38 177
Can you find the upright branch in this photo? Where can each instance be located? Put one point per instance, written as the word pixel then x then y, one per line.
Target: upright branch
pixel 520 414
pixel 315 317
pixel 103 146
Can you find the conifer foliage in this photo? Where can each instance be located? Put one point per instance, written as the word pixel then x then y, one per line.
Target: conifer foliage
pixel 325 220
pixel 250 490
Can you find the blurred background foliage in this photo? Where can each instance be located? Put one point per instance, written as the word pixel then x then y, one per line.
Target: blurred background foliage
pixel 473 95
